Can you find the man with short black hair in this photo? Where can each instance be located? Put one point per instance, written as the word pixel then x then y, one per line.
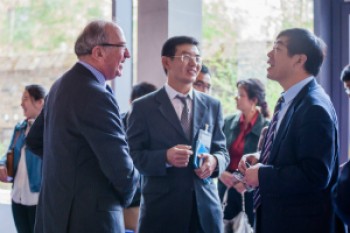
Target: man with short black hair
pixel 203 80
pixel 178 193
pixel 298 164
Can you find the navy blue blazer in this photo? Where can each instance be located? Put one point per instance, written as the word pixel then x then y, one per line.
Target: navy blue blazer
pixel 296 183
pixel 167 192
pixel 341 194
pixel 88 174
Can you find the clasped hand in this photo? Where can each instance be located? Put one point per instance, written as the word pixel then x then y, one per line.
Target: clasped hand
pixel 179 156
pixel 251 178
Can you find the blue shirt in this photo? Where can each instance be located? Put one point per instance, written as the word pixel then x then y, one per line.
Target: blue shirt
pixel 100 77
pixel 289 96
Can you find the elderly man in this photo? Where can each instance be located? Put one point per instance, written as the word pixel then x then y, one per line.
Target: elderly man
pixel 88 174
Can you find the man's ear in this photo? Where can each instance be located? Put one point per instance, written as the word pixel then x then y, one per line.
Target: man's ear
pixel 165 62
pixel 97 52
pixel 301 59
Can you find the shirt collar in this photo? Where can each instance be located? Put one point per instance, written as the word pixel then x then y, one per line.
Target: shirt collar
pixel 290 94
pixel 100 77
pixel 172 93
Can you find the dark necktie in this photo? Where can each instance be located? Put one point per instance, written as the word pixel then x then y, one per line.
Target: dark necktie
pixel 268 145
pixel 109 89
pixel 185 117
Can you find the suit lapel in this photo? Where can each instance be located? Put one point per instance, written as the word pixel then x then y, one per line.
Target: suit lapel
pixel 199 114
pixel 167 110
pixel 282 130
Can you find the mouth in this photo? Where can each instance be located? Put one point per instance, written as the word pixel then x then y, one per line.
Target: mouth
pixel 193 72
pixel 271 65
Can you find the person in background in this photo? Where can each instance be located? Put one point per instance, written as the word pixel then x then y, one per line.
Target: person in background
pixel 242 131
pixel 27 165
pixel 178 193
pixel 203 80
pixel 138 90
pixel 298 164
pixel 345 78
pixel 88 174
pixel 341 192
pixel 131 213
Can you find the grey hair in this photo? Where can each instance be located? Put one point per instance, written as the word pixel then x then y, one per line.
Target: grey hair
pixel 94 33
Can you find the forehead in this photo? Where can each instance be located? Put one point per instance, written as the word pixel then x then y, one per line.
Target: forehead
pixel 186 49
pixel 203 77
pixel 281 41
pixel 115 33
pixel 241 88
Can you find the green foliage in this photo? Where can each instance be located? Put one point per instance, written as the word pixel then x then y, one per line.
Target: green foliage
pixel 224 56
pixel 45 25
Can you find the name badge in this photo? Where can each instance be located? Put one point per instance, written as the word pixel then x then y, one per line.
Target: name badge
pixel 202 146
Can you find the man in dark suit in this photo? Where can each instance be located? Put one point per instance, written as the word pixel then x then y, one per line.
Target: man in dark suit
pixel 162 133
pixel 88 174
pixel 299 160
pixel 341 194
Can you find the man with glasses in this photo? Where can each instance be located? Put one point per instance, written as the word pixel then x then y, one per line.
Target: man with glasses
pixel 203 80
pixel 178 193
pixel 88 174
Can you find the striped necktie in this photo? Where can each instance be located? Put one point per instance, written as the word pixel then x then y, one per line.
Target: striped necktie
pixel 267 146
pixel 185 116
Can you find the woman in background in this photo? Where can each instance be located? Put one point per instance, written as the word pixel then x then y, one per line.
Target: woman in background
pixel 242 131
pixel 27 166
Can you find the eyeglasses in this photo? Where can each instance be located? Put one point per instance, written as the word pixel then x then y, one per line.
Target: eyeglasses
pixel 186 58
pixel 202 85
pixel 113 45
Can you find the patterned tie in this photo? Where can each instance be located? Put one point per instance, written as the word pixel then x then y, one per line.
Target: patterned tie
pixel 267 146
pixel 185 117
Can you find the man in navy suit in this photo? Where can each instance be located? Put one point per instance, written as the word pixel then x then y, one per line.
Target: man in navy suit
pixel 341 193
pixel 162 132
pixel 295 174
pixel 88 174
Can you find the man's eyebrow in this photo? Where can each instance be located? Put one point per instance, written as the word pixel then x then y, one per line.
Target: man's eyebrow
pixel 279 42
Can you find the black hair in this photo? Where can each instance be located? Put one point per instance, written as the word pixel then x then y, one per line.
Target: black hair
pixel 205 69
pixel 301 41
pixel 141 89
pixel 169 47
pixel 38 92
pixel 255 89
pixel 345 74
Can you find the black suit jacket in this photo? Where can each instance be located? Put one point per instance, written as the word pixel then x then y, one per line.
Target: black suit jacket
pixel 296 183
pixel 341 194
pixel 167 192
pixel 87 171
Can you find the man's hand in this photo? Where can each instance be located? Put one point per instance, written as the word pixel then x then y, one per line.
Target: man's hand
pixel 179 155
pixel 251 176
pixel 3 173
pixel 251 159
pixel 208 166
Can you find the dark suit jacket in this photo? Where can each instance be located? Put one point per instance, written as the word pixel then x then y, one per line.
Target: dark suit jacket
pixel 341 194
pixel 87 171
pixel 296 183
pixel 167 192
